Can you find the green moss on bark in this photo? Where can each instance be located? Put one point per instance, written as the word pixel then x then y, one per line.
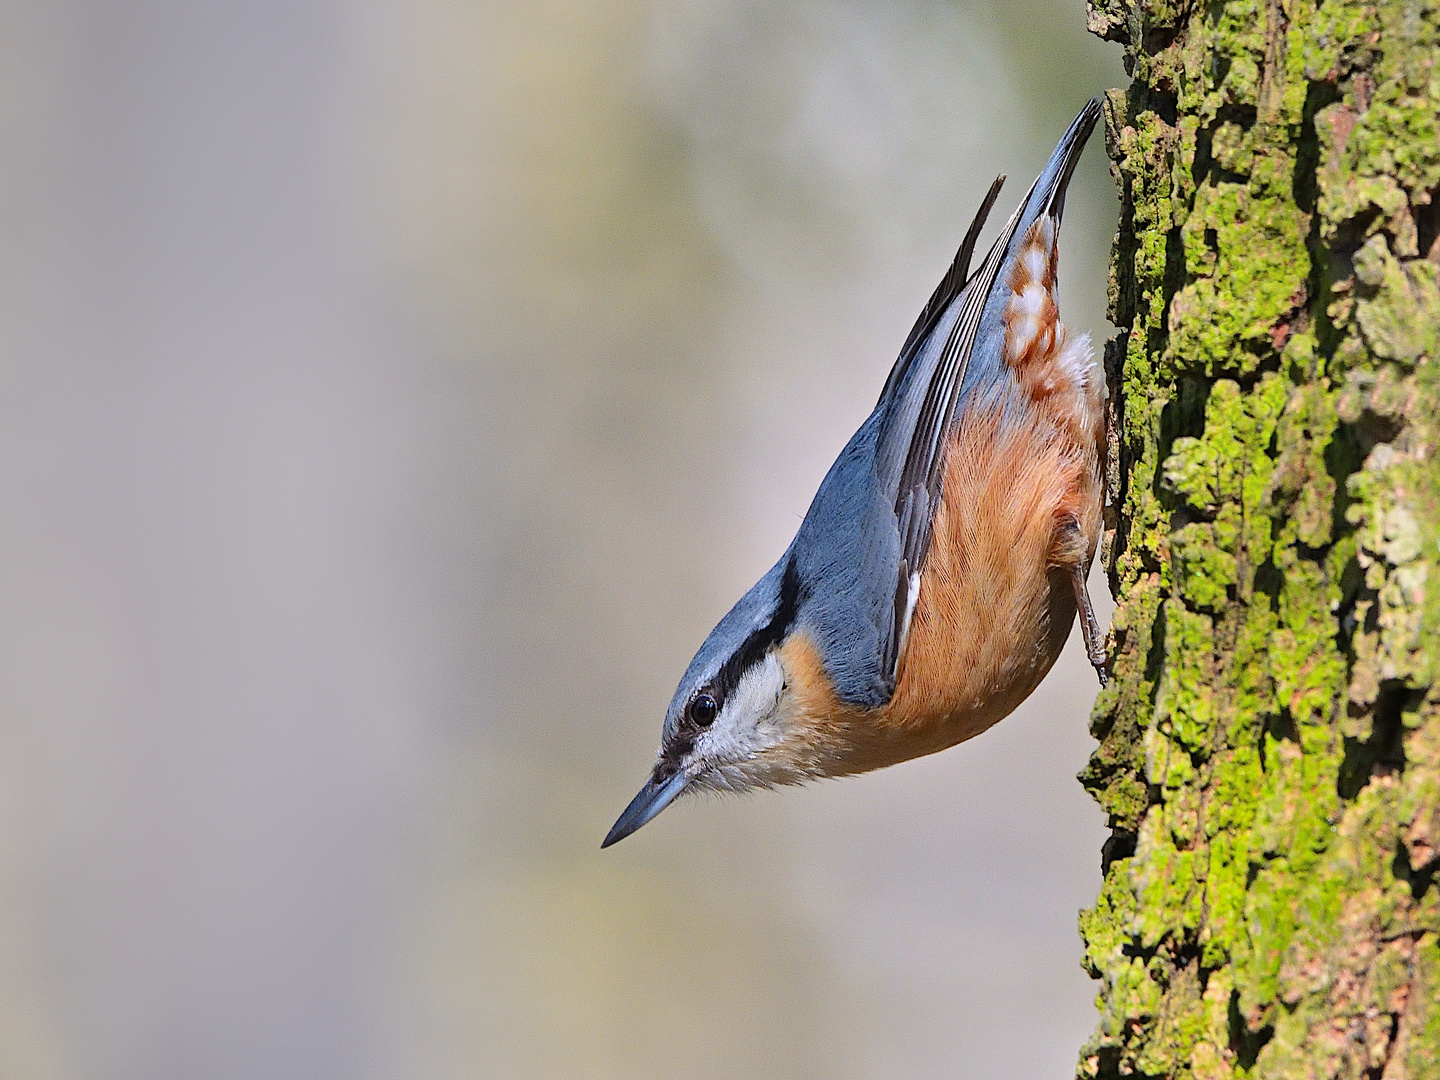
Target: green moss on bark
pixel 1270 745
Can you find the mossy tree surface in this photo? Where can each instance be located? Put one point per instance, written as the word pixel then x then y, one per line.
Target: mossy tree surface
pixel 1270 745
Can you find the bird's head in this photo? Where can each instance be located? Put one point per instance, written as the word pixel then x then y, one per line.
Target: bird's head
pixel 738 719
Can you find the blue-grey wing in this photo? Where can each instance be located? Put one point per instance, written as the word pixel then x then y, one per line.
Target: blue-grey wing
pixel 845 554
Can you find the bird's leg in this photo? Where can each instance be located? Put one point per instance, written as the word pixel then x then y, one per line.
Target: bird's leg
pixel 1094 642
pixel 1068 550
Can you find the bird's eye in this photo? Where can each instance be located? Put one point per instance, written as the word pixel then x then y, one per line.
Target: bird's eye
pixel 703 710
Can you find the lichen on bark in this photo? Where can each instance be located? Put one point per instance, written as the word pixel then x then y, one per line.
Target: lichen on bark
pixel 1270 745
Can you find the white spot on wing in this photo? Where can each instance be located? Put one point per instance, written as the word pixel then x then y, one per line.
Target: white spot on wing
pixel 912 597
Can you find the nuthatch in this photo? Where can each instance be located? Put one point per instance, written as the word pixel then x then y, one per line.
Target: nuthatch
pixel 938 571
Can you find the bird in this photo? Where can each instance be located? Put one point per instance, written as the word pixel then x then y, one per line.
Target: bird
pixel 940 567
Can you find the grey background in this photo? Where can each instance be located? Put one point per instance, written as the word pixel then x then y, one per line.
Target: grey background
pixel 391 397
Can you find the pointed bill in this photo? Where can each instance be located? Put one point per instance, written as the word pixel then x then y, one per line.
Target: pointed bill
pixel 653 798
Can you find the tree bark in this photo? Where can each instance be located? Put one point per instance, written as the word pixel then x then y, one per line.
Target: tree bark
pixel 1270 745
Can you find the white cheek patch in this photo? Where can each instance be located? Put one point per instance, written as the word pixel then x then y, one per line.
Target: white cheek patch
pixel 748 721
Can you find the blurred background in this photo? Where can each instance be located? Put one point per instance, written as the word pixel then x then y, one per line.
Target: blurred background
pixel 392 396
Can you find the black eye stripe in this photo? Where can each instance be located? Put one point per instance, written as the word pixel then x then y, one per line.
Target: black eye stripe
pixel 673 757
pixel 702 710
pixel 766 637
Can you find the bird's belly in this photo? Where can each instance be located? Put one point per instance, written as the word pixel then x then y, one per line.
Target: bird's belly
pixel 994 609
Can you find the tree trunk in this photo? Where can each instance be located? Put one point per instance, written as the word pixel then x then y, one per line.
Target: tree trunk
pixel 1270 745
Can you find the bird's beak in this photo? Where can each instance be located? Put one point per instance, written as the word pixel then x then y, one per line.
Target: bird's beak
pixel 653 797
